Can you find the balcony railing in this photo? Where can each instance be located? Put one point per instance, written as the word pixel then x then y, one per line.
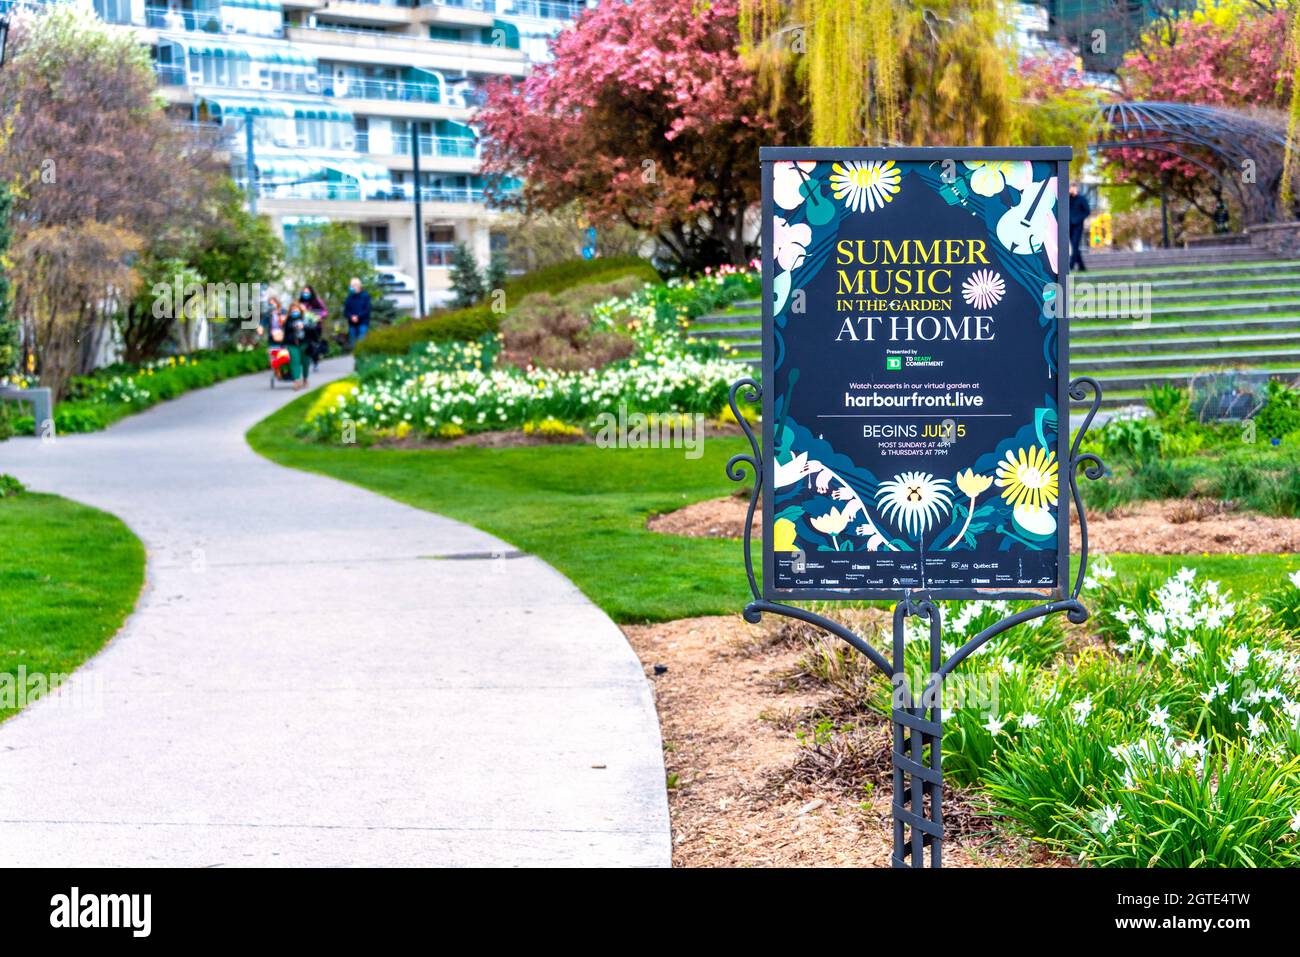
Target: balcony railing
pixel 378 254
pixel 454 146
pixel 170 74
pixel 350 191
pixel 200 21
pixel 439 254
pixel 370 89
pixel 546 9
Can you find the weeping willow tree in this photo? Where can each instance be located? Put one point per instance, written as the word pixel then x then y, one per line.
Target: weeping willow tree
pixel 1291 63
pixel 890 72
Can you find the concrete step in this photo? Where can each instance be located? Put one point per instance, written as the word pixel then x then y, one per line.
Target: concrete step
pixel 726 332
pixel 1160 295
pixel 1198 343
pixel 727 319
pixel 1263 269
pixel 1167 360
pixel 1246 308
pixel 1155 258
pixel 1122 382
pixel 1081 331
pixel 1163 286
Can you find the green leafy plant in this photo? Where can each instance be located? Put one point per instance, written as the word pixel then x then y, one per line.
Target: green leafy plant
pixel 1280 415
pixel 10 486
pixel 1231 809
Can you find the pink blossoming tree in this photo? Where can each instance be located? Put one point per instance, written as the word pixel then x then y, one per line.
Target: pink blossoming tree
pixel 645 115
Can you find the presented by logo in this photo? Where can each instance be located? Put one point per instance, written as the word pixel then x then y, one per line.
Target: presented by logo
pixel 893 363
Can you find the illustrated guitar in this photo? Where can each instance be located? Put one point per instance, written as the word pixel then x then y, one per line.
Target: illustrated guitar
pixel 1030 225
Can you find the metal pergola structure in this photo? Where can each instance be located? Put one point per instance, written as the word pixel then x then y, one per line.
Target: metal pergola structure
pixel 1243 154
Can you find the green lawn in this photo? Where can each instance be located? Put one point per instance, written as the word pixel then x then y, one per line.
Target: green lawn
pixel 583 509
pixel 70 576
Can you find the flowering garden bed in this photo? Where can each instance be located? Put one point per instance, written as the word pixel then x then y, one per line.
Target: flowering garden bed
pixel 446 390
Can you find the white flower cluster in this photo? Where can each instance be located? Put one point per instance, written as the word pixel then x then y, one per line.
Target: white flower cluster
pixel 1180 610
pixel 505 397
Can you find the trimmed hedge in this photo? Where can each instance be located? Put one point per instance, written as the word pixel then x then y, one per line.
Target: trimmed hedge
pixel 98 400
pixel 472 323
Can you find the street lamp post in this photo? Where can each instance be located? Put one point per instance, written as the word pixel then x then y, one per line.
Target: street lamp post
pixel 419 218
pixel 4 37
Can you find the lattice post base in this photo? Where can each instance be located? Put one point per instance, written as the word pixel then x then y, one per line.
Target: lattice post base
pixel 918 750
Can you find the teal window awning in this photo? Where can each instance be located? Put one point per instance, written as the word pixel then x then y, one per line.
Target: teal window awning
pixel 509 33
pixel 292 169
pixel 254 4
pixel 453 129
pixel 415 74
pixel 261 52
pixel 283 109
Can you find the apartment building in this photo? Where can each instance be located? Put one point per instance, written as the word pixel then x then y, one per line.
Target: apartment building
pixel 318 102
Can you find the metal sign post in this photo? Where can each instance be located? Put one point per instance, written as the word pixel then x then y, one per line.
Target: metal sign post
pixel 915 412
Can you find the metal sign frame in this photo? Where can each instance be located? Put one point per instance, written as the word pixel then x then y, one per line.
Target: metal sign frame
pixel 917 718
pixel 1058 155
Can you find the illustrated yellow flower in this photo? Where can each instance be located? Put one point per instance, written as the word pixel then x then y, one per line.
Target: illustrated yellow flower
pixel 868 185
pixel 1028 477
pixel 972 484
pixel 783 533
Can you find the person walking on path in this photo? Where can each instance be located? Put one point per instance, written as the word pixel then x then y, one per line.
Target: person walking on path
pixel 1079 213
pixel 357 308
pixel 295 340
pixel 314 313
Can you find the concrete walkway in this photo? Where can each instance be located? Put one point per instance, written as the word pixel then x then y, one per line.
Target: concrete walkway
pixel 316 675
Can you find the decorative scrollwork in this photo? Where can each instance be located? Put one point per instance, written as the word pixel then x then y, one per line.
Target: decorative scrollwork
pixel 1093 469
pixel 737 473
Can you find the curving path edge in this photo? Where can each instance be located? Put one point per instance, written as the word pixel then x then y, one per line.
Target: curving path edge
pixel 316 675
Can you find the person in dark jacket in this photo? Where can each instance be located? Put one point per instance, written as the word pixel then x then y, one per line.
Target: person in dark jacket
pixel 357 309
pixel 295 340
pixel 1079 213
pixel 313 314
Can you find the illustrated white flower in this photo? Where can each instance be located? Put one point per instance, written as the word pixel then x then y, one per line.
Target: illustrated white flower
pixel 787 183
pixel 1082 709
pixel 1295 578
pixel 990 177
pixel 1029 720
pixel 1159 643
pixel 867 185
pixel 984 289
pixel 790 243
pixel 1240 660
pixel 1295 821
pixel 1159 718
pixel 993 725
pixel 1256 726
pixel 914 501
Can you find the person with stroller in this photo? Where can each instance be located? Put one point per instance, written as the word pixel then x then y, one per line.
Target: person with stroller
pixel 314 313
pixel 295 340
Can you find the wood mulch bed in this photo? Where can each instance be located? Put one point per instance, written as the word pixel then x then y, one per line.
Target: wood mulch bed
pixel 1172 527
pixel 744 791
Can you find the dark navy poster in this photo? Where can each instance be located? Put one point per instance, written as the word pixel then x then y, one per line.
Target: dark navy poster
pixel 912 374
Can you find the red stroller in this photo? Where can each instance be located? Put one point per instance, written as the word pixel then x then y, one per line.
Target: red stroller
pixel 280 368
